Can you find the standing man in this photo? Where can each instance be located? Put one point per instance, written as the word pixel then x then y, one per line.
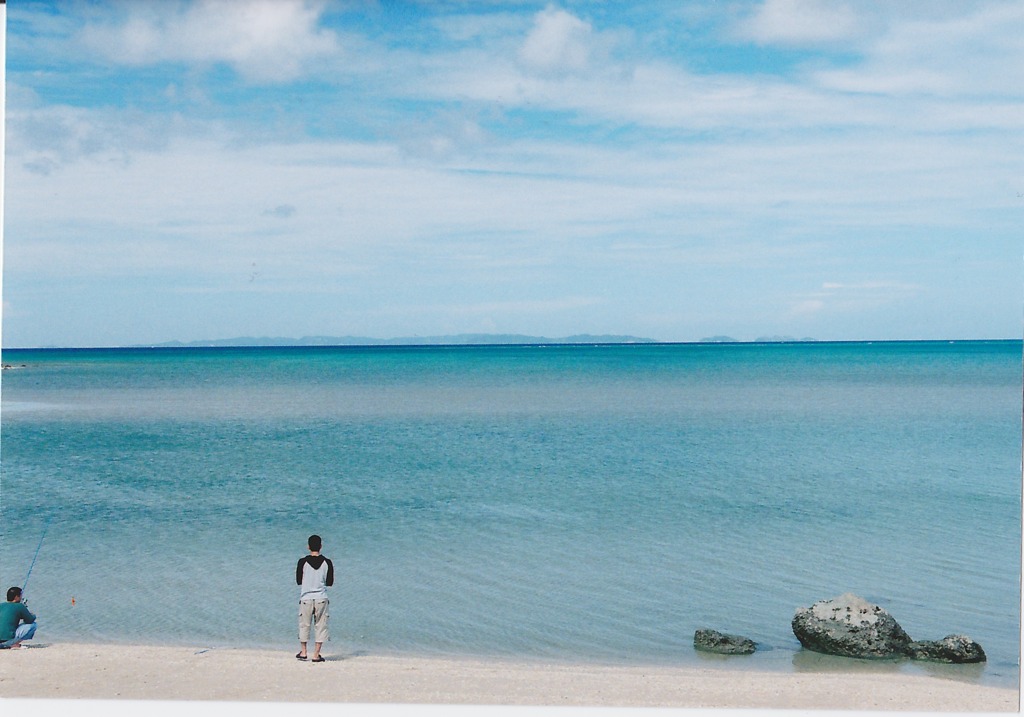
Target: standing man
pixel 12 613
pixel 314 573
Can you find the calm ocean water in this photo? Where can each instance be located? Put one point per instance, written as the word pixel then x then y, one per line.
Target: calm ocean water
pixel 593 503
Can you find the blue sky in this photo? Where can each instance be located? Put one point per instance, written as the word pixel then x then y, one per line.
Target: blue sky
pixel 673 170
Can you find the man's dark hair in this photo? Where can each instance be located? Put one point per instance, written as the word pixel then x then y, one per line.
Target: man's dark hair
pixel 13 593
pixel 315 543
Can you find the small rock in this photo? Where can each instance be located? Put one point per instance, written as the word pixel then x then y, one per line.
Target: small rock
pixel 714 641
pixel 958 649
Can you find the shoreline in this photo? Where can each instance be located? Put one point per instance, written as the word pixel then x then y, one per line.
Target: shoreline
pixel 118 672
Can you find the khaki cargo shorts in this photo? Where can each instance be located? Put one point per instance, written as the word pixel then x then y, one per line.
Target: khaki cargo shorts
pixel 313 612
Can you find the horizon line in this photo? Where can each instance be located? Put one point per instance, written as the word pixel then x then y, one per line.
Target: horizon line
pixel 385 343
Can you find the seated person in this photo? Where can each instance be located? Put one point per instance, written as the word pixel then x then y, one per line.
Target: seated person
pixel 12 613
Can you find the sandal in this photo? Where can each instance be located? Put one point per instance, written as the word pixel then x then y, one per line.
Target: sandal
pixel 317 659
pixel 300 656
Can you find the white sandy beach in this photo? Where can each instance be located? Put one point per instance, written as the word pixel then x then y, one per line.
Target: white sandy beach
pixel 117 672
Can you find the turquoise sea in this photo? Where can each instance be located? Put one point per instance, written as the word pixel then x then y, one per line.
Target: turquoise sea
pixel 567 503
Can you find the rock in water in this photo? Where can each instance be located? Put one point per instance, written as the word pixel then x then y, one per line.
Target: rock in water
pixel 957 649
pixel 849 626
pixel 714 641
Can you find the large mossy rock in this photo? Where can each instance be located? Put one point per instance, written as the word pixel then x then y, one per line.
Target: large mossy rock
pixel 850 626
pixel 714 641
pixel 957 649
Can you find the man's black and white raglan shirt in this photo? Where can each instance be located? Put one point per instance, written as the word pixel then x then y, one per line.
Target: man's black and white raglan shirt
pixel 315 574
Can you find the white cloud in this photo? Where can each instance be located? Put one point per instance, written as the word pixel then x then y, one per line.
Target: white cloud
pixel 202 191
pixel 871 286
pixel 808 306
pixel 512 307
pixel 557 43
pixel 977 52
pixel 490 28
pixel 44 138
pixel 841 297
pixel 800 22
pixel 440 137
pixel 899 59
pixel 263 40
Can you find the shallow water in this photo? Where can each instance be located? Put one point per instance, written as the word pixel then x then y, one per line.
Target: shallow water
pixel 570 503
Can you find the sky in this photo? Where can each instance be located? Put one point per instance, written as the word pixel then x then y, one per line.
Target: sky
pixel 204 169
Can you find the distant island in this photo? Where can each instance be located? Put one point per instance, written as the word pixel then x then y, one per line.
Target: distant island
pixel 454 340
pixel 782 339
pixel 758 340
pixel 451 340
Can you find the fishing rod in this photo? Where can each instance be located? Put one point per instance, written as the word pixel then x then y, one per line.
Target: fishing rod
pixel 24 585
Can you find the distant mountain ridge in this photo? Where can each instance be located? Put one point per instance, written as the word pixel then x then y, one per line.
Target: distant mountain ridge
pixel 758 340
pixel 453 340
